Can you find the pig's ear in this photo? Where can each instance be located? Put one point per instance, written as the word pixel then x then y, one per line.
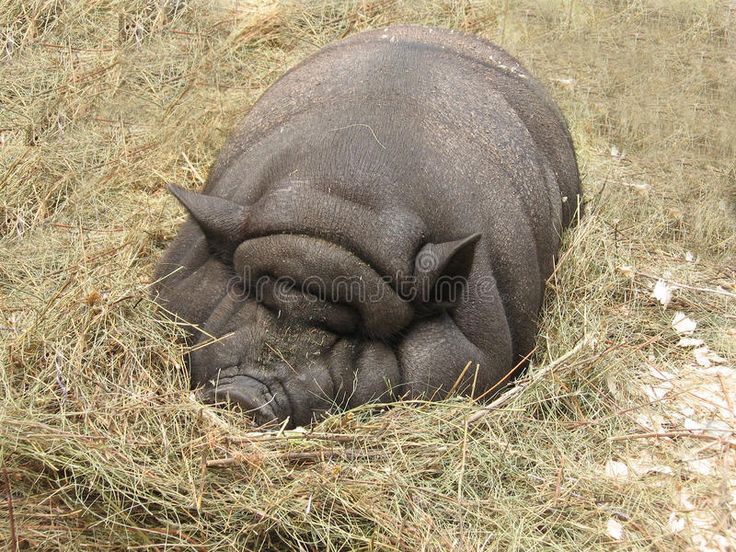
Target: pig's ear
pixel 441 270
pixel 221 220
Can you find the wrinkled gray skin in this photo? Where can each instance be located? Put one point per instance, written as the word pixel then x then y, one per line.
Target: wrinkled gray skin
pixel 408 153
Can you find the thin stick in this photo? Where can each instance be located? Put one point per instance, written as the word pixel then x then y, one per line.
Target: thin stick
pixel 313 455
pixel 459 379
pixel 560 477
pixel 263 436
pixel 13 545
pixel 521 386
pixel 673 435
pixel 462 462
pixel 361 125
pixel 506 376
pixel 726 395
pixel 685 286
pixel 229 461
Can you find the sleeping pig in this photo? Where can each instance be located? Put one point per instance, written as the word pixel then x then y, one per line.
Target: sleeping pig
pixel 379 227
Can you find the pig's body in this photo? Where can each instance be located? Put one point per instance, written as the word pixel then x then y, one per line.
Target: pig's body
pixel 398 157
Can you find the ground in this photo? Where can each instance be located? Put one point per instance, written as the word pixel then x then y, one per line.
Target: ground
pixel 621 435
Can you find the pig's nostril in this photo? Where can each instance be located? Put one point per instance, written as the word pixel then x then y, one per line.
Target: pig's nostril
pixel 261 413
pixel 249 395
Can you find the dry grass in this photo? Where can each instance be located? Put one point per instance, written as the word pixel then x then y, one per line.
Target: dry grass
pixel 618 436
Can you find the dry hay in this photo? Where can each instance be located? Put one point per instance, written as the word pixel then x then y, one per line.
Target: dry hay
pixel 620 434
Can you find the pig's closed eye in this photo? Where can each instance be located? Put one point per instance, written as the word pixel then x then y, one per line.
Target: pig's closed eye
pixel 290 302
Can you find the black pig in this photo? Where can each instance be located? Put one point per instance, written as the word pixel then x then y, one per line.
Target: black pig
pixel 388 211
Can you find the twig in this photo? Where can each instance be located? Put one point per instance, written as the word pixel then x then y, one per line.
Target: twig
pixel 228 461
pixel 13 545
pixel 206 412
pixel 322 455
pixel 281 356
pixel 262 436
pixel 194 170
pixel 462 461
pixel 173 533
pixel 459 379
pixel 84 228
pixel 522 385
pixel 674 435
pixel 685 286
pixel 560 478
pixel 60 376
pixel 508 375
pixel 726 395
pixel 49 432
pixel 362 125
pixel 301 456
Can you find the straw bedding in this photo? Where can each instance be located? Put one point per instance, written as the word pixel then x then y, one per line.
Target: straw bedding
pixel 620 434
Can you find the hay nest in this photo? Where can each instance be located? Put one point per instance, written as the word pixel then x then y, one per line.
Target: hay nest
pixel 621 433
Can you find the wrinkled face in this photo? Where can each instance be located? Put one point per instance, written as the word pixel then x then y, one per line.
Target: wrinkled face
pixel 301 324
pixel 294 324
pixel 270 366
